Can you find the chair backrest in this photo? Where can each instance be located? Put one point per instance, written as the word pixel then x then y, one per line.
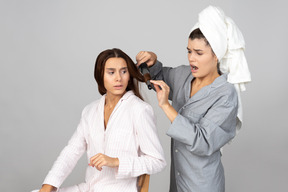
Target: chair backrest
pixel 143 183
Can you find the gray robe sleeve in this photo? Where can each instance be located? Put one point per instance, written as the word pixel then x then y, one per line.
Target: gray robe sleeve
pixel 167 74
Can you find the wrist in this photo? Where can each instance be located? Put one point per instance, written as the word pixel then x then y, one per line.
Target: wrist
pixel 116 162
pixel 47 187
pixel 170 112
pixel 165 106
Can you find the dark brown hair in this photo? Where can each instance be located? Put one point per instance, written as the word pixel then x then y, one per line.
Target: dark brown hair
pixel 135 74
pixel 197 34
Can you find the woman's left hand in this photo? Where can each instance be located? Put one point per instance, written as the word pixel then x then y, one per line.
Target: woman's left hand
pixel 163 93
pixel 100 160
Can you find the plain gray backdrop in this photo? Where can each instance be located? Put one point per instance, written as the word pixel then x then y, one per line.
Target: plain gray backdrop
pixel 48 50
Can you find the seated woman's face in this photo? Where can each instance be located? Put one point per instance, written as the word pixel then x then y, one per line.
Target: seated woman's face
pixel 116 76
pixel 202 60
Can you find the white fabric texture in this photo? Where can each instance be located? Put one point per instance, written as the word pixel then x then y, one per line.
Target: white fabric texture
pixel 227 42
pixel 130 135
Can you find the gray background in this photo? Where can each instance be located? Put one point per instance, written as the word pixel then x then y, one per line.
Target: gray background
pixel 48 50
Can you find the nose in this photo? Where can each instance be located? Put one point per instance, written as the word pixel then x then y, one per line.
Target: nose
pixel 191 57
pixel 118 76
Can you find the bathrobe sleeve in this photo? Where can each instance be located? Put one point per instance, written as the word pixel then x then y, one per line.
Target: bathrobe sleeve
pixel 151 156
pixel 210 132
pixel 68 157
pixel 168 75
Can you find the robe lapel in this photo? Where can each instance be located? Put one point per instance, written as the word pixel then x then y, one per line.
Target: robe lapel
pixel 202 93
pixel 97 128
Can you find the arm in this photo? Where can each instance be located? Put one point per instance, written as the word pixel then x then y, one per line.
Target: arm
pixel 68 157
pixel 216 128
pixel 157 71
pixel 99 160
pixel 167 74
pixel 211 132
pixel 47 188
pixel 163 90
pixel 151 156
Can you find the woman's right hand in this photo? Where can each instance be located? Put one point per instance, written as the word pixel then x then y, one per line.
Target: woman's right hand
pixel 47 188
pixel 146 56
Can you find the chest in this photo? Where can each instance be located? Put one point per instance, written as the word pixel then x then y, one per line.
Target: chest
pixel 113 131
pixel 194 90
pixel 197 106
pixel 107 113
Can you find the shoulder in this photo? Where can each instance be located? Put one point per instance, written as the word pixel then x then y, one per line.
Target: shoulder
pixel 137 107
pixel 138 104
pixel 140 111
pixel 91 107
pixel 224 91
pixel 179 74
pixel 227 88
pixel 229 94
pixel 182 69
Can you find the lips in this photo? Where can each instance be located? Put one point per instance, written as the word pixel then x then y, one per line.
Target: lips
pixel 118 86
pixel 194 68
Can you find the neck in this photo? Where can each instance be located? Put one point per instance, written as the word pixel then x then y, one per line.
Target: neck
pixel 207 80
pixel 112 100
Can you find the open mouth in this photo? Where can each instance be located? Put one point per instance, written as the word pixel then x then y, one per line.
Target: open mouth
pixel 194 68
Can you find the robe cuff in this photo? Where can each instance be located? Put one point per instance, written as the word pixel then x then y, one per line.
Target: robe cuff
pixel 124 169
pixel 52 181
pixel 155 69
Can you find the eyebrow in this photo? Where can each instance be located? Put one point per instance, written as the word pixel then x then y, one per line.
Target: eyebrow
pixel 194 49
pixel 115 68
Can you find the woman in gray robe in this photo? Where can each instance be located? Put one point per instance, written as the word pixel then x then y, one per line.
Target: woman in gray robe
pixel 205 106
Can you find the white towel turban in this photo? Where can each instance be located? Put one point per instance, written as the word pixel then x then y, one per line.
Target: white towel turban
pixel 227 42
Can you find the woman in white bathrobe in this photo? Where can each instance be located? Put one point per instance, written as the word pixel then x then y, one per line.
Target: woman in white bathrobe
pixel 118 132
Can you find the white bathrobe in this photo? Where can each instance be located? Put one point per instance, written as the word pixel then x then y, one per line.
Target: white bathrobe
pixel 130 135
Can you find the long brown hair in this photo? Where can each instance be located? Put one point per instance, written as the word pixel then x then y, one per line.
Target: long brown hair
pixel 135 74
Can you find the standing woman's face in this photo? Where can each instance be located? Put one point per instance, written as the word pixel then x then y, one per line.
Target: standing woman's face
pixel 116 76
pixel 202 60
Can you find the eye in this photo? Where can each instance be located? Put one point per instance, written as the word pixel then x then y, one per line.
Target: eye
pixel 188 51
pixel 110 72
pixel 199 53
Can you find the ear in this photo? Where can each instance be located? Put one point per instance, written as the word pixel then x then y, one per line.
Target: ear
pixel 215 58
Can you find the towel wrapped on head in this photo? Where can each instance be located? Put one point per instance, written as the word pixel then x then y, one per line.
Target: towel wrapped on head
pixel 227 42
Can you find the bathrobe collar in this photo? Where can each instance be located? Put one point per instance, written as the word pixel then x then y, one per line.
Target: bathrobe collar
pixel 204 91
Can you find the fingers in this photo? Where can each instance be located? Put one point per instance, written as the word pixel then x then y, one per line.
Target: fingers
pixel 139 56
pixel 100 160
pixel 161 84
pixel 156 85
pixel 97 161
pixel 157 88
pixel 146 56
pixel 162 90
pixel 142 57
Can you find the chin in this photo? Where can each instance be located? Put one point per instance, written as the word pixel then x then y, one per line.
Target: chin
pixel 196 75
pixel 119 92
